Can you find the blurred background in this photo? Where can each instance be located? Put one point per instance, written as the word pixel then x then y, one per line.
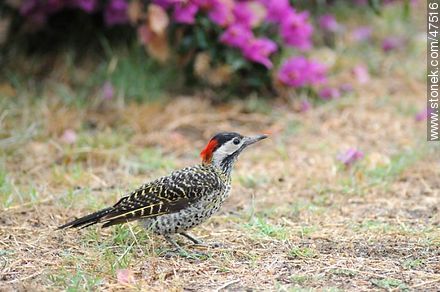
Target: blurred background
pixel 100 96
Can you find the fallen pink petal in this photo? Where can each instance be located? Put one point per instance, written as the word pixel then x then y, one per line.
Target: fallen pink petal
pixel 392 43
pixel 361 74
pixel 69 136
pixel 422 115
pixel 125 276
pixel 305 106
pixel 346 88
pixel 329 93
pixel 328 22
pixel 350 156
pixel 107 91
pixel 362 33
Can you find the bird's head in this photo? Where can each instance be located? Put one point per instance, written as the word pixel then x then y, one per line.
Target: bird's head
pixel 223 149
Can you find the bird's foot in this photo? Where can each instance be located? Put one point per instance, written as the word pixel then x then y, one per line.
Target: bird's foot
pixel 211 244
pixel 195 255
pixel 179 251
pixel 199 242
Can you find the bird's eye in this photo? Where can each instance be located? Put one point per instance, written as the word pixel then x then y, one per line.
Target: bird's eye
pixel 236 141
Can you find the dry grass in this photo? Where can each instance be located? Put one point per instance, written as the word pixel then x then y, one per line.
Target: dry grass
pixel 296 219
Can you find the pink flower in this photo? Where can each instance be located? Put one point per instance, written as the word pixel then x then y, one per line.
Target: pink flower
pixel 53 6
pixel 328 23
pixel 423 114
pixel 293 72
pixel 107 91
pixel 220 11
pixel 35 12
pixel 259 50
pixel 345 87
pixel 361 74
pixel 391 43
pixel 277 10
pixel 350 156
pixel 125 277
pixel 116 12
pixel 69 136
pixel 305 106
pixel 243 14
pixel 328 93
pixel 236 36
pixel 185 12
pixel 299 72
pixel 316 73
pixel 362 33
pixel 86 5
pixel 296 30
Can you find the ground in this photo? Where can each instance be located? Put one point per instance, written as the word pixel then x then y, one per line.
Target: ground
pixel 297 218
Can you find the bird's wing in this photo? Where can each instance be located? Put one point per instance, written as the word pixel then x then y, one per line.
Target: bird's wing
pixel 163 196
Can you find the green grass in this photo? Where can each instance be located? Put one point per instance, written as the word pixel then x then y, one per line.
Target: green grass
pixel 300 279
pixel 107 139
pixel 398 164
pixel 125 242
pixel 11 195
pixel 139 77
pixel 358 180
pixel 344 272
pixel 263 228
pixel 301 205
pixel 306 231
pixel 79 280
pixel 383 227
pixel 148 160
pixel 413 263
pixel 120 250
pixel 303 253
pixel 133 74
pixel 293 127
pixel 6 189
pixel 255 104
pixel 252 181
pixel 390 283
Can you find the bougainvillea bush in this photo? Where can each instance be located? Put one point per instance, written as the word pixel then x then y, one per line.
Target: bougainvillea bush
pixel 241 45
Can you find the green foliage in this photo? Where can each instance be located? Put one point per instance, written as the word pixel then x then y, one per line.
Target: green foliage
pixel 137 76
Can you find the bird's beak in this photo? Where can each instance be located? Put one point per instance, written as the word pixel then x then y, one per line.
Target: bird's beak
pixel 251 140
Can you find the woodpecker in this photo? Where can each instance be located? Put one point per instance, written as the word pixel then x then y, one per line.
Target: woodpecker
pixel 186 198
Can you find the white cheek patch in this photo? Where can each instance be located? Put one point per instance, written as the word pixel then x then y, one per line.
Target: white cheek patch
pixel 230 147
pixel 225 150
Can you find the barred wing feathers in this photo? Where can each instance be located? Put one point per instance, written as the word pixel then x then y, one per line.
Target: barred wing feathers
pixel 165 195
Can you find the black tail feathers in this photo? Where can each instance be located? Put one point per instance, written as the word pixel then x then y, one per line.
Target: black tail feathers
pixel 87 220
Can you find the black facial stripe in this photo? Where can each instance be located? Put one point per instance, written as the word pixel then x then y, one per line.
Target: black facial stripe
pixel 224 137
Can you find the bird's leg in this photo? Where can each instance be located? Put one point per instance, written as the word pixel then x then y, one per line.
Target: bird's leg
pixel 192 238
pixel 199 241
pixel 174 243
pixel 179 250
